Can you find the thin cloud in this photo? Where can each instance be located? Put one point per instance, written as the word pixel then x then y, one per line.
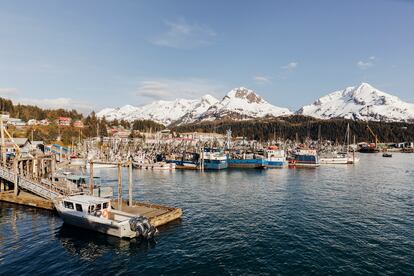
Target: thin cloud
pixel 50 103
pixel 8 92
pixel 261 79
pixel 365 64
pixel 183 35
pixel 290 66
pixel 170 89
pixel 56 103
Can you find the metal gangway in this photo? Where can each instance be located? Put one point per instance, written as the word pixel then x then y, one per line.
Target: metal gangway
pixel 44 188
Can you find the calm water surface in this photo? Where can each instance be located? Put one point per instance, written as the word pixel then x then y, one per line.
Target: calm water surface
pixel 330 220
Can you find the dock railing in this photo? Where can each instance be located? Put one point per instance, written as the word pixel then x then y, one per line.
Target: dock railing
pixel 43 188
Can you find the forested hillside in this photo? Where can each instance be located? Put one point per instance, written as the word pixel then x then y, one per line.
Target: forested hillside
pixel 303 126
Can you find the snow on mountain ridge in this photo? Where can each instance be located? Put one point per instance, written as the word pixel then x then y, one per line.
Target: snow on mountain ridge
pixel 242 102
pixel 363 102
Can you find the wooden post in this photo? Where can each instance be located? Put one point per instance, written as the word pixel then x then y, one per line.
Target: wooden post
pixel 202 159
pixel 16 177
pixel 52 169
pixel 34 168
pixel 91 177
pixel 119 186
pixel 130 183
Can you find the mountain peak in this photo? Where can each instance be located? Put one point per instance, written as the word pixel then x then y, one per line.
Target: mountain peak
pixel 244 93
pixel 362 102
pixel 209 99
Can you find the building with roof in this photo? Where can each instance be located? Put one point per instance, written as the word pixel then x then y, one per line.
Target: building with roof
pixel 64 121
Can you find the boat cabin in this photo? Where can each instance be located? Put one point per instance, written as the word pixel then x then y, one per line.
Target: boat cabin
pixel 87 204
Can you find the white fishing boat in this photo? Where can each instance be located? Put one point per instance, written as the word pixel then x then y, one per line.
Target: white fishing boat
pixel 334 158
pixel 275 157
pixel 96 214
pixel 347 157
pixel 154 166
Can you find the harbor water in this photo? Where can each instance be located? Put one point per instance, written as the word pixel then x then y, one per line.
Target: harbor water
pixel 339 219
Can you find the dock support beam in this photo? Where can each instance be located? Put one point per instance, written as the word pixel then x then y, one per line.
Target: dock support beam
pixel 130 183
pixel 119 186
pixel 16 177
pixel 91 177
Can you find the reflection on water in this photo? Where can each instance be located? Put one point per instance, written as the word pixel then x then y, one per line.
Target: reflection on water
pixel 327 220
pixel 89 245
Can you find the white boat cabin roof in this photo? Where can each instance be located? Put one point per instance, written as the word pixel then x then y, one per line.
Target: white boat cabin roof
pixel 87 199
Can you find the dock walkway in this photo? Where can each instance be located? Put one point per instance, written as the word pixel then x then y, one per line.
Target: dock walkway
pixel 44 189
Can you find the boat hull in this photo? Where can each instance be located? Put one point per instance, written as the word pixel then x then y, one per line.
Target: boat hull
pixel 155 166
pixel 108 227
pixel 276 164
pixel 246 163
pixel 334 161
pixel 184 165
pixel 215 164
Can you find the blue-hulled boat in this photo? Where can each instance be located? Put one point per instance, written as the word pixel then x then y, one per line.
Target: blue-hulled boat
pixel 306 158
pixel 214 159
pixel 247 163
pixel 275 157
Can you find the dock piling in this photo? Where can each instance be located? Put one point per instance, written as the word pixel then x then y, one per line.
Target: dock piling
pixel 16 175
pixel 91 177
pixel 120 186
pixel 130 183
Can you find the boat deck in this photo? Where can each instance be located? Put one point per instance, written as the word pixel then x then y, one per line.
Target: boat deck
pixel 157 214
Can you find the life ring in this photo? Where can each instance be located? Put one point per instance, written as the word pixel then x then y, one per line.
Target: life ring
pixel 105 213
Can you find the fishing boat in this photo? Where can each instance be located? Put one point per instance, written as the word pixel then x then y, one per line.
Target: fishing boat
pixel 369 148
pixel 275 157
pixel 162 165
pixel 306 158
pixel 386 154
pixel 334 158
pixel 246 161
pixel 345 157
pixel 184 165
pixel 96 214
pixel 214 159
pixel 142 162
pixel 185 161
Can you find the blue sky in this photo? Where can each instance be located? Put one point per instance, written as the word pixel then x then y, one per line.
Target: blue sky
pixel 94 54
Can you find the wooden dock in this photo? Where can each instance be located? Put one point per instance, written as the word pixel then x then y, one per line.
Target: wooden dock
pixel 157 214
pixel 28 183
pixel 28 199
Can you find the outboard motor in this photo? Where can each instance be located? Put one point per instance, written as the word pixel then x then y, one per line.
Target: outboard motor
pixel 142 227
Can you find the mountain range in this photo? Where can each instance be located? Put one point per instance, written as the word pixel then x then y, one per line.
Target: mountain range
pixel 362 102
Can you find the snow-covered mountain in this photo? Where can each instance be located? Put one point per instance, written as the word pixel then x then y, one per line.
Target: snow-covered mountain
pixel 242 103
pixel 163 112
pixel 239 103
pixel 362 102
